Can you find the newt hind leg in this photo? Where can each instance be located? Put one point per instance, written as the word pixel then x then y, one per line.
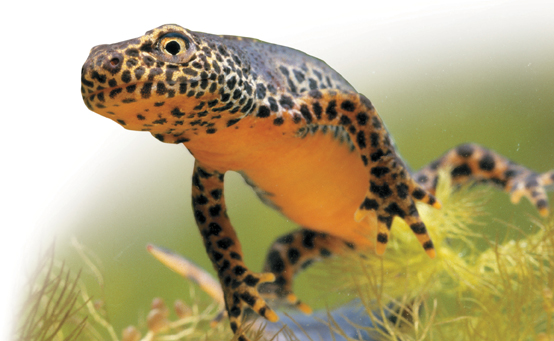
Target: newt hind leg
pixel 292 253
pixel 474 163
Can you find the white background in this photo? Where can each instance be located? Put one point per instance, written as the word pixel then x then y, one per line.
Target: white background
pixel 52 145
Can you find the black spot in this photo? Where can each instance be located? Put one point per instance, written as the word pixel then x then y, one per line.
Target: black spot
pixel 247 106
pixel 364 160
pixel 235 255
pixel 331 110
pixel 263 111
pixel 232 121
pixel 249 299
pixel 214 228
pixel 394 210
pixel 542 203
pixel 126 76
pixel 349 245
pixel 239 270
pixel 360 139
pixel 487 163
pixel 379 171
pixel 278 121
pixel 307 263
pixel 376 123
pixel 344 120
pixel 461 170
pixel 225 97
pixel 325 253
pixel 224 266
pixel 235 311
pixel 465 150
pixel 299 76
pixel 275 261
pixel 211 131
pixel 348 106
pixel 215 210
pixel 160 88
pixel 225 243
pixel 160 121
pixel 251 281
pixel 286 102
pixel 146 90
pixel 260 91
pixel 293 255
pixel 196 182
pixel 369 204
pixel 362 118
pixel 231 82
pixel 140 117
pixel 402 190
pixel 308 239
pixel 200 217
pixel 306 113
pixel 376 155
pixel 418 194
pixel 177 113
pixel 217 256
pixel 216 194
pixel 382 238
pixel 123 124
pixel 201 200
pixel 273 104
pixel 387 220
pixel 237 93
pixel 374 138
pixel 112 83
pixel 419 228
pixel 428 245
pixel 132 52
pixel 317 110
pixel 159 104
pixel 115 92
pixel 382 191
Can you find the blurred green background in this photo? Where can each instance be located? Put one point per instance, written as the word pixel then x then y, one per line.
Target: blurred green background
pixel 436 83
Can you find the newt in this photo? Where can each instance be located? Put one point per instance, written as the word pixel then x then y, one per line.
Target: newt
pixel 309 144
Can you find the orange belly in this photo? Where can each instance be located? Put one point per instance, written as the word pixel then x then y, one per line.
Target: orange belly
pixel 316 181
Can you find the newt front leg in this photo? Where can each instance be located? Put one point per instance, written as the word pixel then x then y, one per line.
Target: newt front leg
pixel 391 190
pixel 240 285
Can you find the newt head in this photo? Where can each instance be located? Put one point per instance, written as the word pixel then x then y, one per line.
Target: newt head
pixel 172 82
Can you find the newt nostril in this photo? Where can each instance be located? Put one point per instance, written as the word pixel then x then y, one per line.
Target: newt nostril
pixel 114 61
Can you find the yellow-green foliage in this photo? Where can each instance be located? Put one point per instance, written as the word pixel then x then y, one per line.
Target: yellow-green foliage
pixel 503 292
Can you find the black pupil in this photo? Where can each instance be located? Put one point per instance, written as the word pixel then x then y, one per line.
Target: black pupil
pixel 173 47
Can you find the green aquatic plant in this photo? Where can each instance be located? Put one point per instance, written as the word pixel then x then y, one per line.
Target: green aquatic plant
pixel 503 291
pixel 52 309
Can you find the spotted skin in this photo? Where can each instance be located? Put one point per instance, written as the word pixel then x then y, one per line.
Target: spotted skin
pixel 474 163
pixel 309 144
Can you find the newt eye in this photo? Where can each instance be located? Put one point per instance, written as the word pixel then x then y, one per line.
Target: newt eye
pixel 175 48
